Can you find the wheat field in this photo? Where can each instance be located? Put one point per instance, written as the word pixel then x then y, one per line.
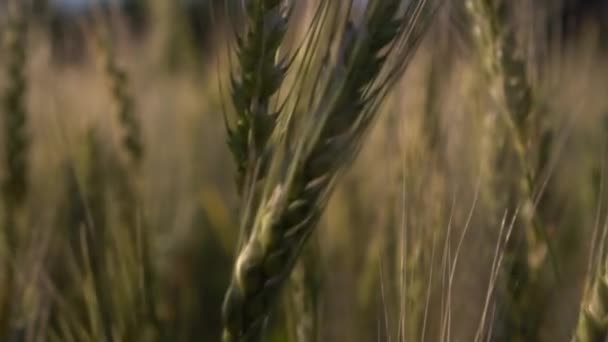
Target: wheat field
pixel 274 170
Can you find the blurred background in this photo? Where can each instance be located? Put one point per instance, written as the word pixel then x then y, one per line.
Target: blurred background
pixel 129 219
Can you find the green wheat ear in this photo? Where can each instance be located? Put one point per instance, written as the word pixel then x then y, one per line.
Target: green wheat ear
pixel 258 76
pixel 259 73
pixel 324 137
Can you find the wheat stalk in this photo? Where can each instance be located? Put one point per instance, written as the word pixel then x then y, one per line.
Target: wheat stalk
pixel 295 197
pixel 496 41
pixel 259 75
pixel 127 187
pixel 14 184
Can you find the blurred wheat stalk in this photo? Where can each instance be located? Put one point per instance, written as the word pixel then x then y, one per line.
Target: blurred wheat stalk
pixel 16 143
pixel 592 322
pixel 528 146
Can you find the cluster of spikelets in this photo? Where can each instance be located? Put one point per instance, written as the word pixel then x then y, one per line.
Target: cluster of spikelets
pixel 289 149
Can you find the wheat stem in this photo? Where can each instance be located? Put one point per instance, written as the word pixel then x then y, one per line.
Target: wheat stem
pixel 497 43
pixel 14 184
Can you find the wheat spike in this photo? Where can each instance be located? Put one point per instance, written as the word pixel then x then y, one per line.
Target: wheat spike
pixel 118 82
pixel 259 76
pixel 127 187
pixel 293 201
pixel 497 44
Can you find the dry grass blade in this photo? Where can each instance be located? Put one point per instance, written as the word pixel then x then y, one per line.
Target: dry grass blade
pixel 303 173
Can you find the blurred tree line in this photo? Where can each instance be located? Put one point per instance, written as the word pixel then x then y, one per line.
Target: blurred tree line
pixel 186 23
pixel 183 22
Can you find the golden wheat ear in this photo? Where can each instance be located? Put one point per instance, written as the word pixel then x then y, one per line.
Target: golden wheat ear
pixel 324 135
